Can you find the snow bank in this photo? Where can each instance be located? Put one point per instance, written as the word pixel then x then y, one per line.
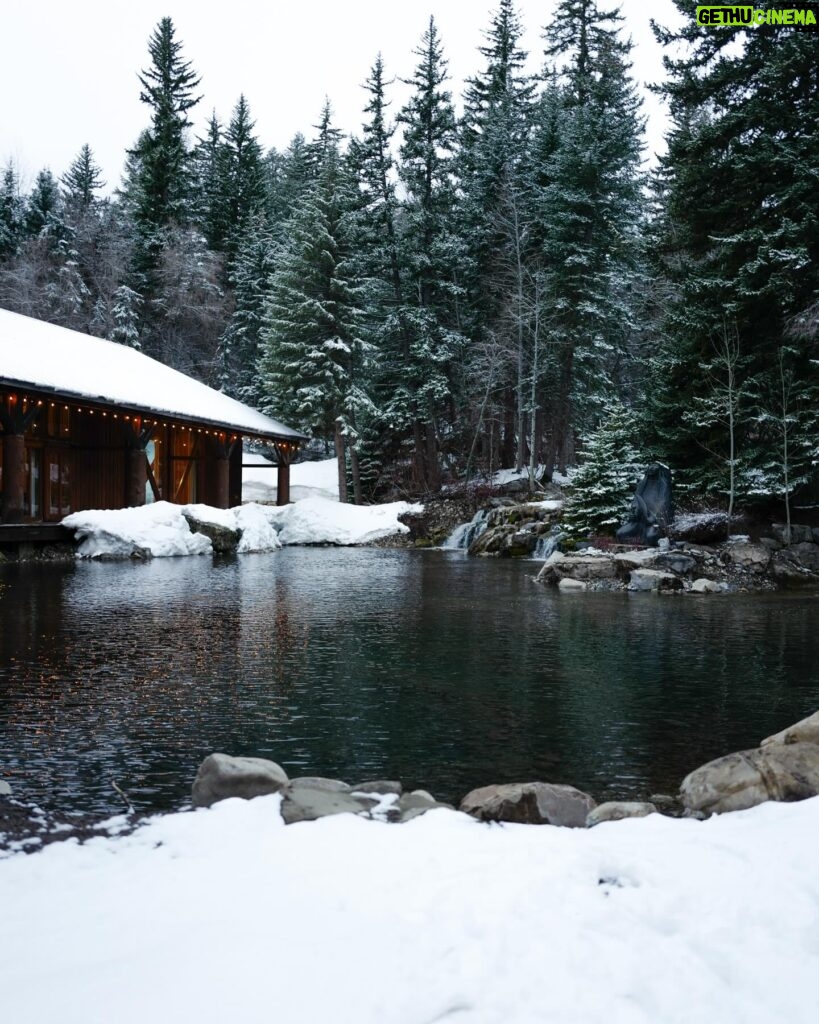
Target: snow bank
pixel 161 529
pixel 227 914
pixel 307 480
pixel 319 521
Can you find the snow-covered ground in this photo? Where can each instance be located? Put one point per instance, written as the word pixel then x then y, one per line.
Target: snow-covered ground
pixel 307 479
pixel 161 529
pixel 227 914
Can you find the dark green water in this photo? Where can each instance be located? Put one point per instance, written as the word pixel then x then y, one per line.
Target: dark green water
pixel 441 671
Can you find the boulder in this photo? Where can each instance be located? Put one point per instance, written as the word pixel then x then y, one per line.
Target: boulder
pixel 578 566
pixel 317 782
pixel 804 731
pixel 531 803
pixel 700 528
pixel 637 559
pixel 223 538
pixel 5 788
pixel 616 810
pixel 752 557
pixel 221 776
pixel 676 561
pixel 653 579
pixel 305 802
pixel 803 555
pixel 378 787
pixel 788 572
pixel 569 586
pixel 750 777
pixel 798 534
pixel 411 805
pixel 704 586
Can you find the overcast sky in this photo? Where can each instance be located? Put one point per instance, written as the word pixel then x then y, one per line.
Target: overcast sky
pixel 68 71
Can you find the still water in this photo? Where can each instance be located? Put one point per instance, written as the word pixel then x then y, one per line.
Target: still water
pixel 426 666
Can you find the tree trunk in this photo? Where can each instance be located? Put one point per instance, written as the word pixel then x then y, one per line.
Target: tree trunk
pixel 355 470
pixel 342 464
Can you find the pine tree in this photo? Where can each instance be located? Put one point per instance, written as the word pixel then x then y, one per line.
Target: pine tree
pixel 311 365
pixel 245 192
pixel 209 158
pixel 12 211
pixel 43 206
pixel 430 252
pixel 82 181
pixel 738 226
pixel 289 175
pixel 589 208
pixel 608 472
pixel 126 317
pixel 162 193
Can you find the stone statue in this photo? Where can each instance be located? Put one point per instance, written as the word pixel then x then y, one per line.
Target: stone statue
pixel 650 511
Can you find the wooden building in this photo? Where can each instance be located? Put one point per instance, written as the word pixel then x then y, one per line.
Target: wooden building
pixel 90 424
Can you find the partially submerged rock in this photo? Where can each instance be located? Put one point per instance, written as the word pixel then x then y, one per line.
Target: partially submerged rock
pixel 530 803
pixel 221 776
pixel 306 802
pixel 653 579
pixel 616 810
pixel 705 586
pixel 750 777
pixel 223 538
pixel 804 731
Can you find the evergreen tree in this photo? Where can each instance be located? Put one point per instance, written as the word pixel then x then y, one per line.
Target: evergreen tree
pixel 311 365
pixel 126 317
pixel 589 209
pixel 42 207
pixel 162 196
pixel 289 174
pixel 245 192
pixel 209 159
pixel 608 472
pixel 430 253
pixel 738 232
pixel 12 211
pixel 82 181
pixel 240 347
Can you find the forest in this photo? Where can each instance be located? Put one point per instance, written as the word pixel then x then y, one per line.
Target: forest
pixel 499 282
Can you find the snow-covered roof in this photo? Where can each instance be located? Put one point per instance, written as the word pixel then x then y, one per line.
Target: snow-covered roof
pixel 44 357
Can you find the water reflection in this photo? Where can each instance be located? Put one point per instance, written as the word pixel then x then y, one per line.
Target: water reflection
pixel 425 666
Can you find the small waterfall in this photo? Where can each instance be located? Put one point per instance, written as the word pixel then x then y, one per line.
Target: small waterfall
pixel 463 535
pixel 546 545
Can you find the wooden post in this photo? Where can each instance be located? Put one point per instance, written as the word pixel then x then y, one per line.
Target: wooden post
pixel 221 482
pixel 14 477
pixel 136 477
pixel 283 483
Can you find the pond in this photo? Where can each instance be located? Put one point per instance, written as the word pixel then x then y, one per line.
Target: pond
pixel 425 666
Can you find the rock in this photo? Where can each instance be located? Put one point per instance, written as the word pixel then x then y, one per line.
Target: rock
pixel 308 803
pixel 222 538
pixel 665 804
pixel 770 543
pixel 702 528
pixel 379 787
pixel 5 788
pixel 569 586
pixel 803 555
pixel 221 776
pixel 411 805
pixel 317 782
pixel 787 571
pixel 798 534
pixel 676 561
pixel 616 810
pixel 532 803
pixel 580 566
pixel 804 731
pixel 653 579
pixel 815 532
pixel 704 586
pixel 753 557
pixel 750 777
pixel 639 559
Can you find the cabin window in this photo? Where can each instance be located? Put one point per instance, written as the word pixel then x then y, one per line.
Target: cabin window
pixel 183 462
pixel 155 454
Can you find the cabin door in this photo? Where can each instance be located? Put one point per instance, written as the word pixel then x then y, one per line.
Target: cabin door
pixel 57 483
